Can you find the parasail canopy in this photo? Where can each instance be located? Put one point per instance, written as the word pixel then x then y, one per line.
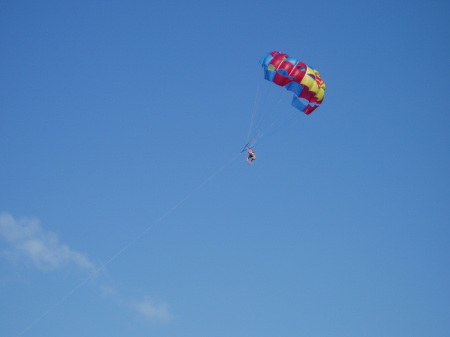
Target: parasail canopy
pixel 302 80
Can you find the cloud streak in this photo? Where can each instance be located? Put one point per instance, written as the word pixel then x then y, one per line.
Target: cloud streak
pixel 30 244
pixel 153 311
pixel 27 242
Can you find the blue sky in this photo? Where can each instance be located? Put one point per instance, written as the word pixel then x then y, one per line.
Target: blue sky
pixel 127 210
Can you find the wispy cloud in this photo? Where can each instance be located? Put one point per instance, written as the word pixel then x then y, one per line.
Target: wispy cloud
pixel 30 244
pixel 152 310
pixel 27 242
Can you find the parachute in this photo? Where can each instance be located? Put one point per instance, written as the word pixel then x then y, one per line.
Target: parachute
pixel 305 82
pixel 270 114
